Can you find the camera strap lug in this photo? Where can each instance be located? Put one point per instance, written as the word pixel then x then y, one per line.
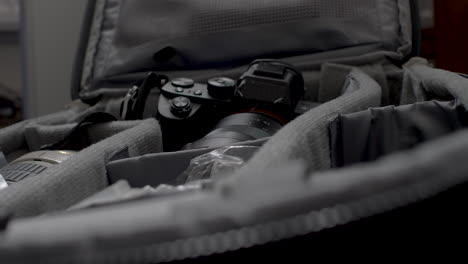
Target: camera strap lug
pixel 133 105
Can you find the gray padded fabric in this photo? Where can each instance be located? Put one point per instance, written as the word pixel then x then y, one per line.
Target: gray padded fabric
pixel 376 71
pixel 368 135
pixel 394 76
pixel 12 138
pixel 119 191
pixel 306 138
pixel 332 81
pixel 333 77
pixel 102 131
pixel 16 137
pixel 79 177
pixel 164 167
pixel 122 192
pixel 307 204
pixel 423 82
pixel 39 135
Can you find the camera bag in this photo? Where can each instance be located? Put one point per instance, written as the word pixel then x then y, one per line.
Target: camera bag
pixel 307 194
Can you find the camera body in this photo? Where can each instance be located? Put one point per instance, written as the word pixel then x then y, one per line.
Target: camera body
pixel 262 100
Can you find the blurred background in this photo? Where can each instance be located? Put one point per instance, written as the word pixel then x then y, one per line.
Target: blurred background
pixel 38 39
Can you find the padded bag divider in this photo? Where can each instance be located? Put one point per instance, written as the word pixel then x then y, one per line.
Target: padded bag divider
pixel 159 168
pixel 366 136
pixel 422 83
pixel 39 135
pixel 81 176
pixel 371 134
pixel 237 213
pixel 28 135
pixel 13 138
pixel 306 138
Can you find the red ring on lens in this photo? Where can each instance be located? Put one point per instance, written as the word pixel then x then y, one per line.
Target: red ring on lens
pixel 267 113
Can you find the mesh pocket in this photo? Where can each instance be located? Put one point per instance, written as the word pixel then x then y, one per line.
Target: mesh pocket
pixel 142 21
pixel 227 15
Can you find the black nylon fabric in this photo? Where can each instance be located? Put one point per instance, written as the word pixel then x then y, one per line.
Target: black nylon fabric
pixel 368 135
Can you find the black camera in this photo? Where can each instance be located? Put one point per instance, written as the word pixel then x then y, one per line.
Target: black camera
pixel 224 111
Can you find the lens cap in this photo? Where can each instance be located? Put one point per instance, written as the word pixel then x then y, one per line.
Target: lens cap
pixel 221 87
pixel 181 106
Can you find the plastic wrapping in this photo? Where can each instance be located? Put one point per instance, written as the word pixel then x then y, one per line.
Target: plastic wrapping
pixel 200 174
pixel 216 164
pixel 3 183
pixel 165 189
pixel 121 192
pixel 3 163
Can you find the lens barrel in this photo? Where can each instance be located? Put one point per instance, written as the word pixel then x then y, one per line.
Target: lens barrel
pixel 33 164
pixel 239 128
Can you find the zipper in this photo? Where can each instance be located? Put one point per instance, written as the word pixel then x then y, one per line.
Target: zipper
pixel 256 235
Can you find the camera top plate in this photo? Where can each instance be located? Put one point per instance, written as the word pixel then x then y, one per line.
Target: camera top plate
pixel 196 92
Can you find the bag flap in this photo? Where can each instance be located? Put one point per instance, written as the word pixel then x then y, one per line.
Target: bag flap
pixel 123 37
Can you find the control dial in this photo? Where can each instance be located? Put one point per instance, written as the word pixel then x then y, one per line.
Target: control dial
pixel 221 87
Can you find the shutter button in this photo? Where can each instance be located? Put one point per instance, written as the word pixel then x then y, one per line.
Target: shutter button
pixel 181 106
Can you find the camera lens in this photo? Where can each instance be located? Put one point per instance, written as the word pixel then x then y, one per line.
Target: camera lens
pixel 33 164
pixel 239 128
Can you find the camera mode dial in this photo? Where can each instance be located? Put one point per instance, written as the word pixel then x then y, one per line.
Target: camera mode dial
pixel 221 87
